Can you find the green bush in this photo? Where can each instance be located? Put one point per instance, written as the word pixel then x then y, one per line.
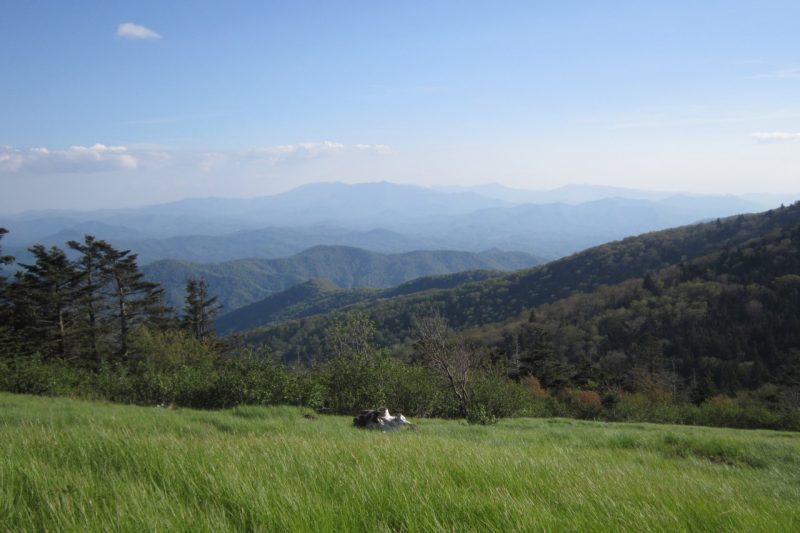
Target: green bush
pixel 749 413
pixel 499 397
pixel 30 374
pixel 636 407
pixel 479 414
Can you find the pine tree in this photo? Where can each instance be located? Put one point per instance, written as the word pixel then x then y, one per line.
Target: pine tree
pixel 702 388
pixel 43 299
pixel 92 306
pixel 135 300
pixel 539 359
pixel 4 259
pixel 199 309
pixel 585 373
pixel 6 337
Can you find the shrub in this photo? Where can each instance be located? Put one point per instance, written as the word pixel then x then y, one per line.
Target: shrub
pixel 478 414
pixel 30 374
pixel 353 382
pixel 531 383
pixel 722 411
pixel 585 404
pixel 610 399
pixel 637 407
pixel 499 396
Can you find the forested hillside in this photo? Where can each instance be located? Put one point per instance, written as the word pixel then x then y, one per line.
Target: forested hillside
pixel 507 297
pixel 321 296
pixel 242 282
pixel 723 322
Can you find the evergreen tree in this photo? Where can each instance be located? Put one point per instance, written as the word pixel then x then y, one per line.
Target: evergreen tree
pixel 6 337
pixel 43 299
pixel 199 309
pixel 135 300
pixel 92 306
pixel 585 373
pixel 539 359
pixel 702 388
pixel 4 259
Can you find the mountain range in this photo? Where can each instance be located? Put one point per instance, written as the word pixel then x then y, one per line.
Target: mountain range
pixel 244 281
pixel 381 217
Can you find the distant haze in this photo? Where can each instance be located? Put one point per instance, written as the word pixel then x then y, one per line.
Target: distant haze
pixel 382 217
pixel 118 104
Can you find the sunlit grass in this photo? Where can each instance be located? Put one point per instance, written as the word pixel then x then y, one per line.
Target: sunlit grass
pixel 71 465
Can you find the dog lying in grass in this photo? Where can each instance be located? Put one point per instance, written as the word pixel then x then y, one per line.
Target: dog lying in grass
pixel 381 419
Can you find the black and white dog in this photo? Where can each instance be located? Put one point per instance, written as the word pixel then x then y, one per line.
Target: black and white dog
pixel 380 419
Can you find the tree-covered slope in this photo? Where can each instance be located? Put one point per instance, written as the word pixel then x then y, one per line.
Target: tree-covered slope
pixel 722 322
pixel 308 298
pixel 318 296
pixel 506 297
pixel 241 282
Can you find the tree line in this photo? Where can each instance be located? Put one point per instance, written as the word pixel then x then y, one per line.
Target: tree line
pixel 84 309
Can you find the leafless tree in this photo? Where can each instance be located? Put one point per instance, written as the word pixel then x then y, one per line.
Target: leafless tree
pixel 448 355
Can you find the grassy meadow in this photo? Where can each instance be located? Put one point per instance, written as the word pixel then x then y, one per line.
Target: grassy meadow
pixel 75 465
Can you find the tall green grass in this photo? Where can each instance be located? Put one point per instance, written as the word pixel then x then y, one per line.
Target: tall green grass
pixel 72 465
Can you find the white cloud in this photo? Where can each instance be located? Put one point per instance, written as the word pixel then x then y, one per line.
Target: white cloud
pixel 108 158
pixel 95 158
pixel 10 159
pixel 774 136
pixel 379 149
pixel 784 74
pixel 129 30
pixel 287 153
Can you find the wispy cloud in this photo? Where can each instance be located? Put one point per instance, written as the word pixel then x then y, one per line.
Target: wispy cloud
pixel 129 30
pixel 775 136
pixel 287 153
pixel 783 74
pixel 108 158
pixel 95 158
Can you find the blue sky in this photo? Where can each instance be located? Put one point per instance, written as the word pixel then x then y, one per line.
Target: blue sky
pixel 119 103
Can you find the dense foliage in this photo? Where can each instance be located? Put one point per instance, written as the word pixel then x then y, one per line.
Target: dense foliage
pixel 83 310
pixel 726 322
